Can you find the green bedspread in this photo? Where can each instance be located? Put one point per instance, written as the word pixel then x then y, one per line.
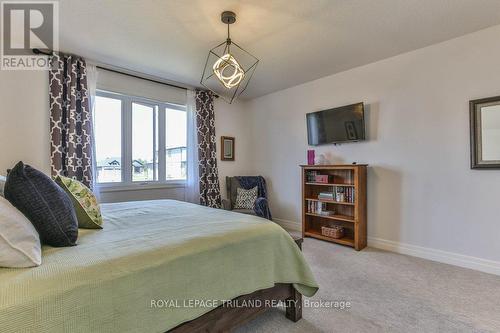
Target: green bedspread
pixel 148 251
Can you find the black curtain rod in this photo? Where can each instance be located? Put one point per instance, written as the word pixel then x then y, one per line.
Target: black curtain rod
pixel 50 52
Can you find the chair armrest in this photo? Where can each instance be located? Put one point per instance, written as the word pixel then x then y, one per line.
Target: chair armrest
pixel 226 204
pixel 262 199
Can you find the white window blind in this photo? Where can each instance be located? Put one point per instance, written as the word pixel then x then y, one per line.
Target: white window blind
pixel 132 86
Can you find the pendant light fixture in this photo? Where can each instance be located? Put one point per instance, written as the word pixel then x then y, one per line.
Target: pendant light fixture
pixel 229 67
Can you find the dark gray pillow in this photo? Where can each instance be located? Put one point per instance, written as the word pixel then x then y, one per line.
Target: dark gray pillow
pixel 44 203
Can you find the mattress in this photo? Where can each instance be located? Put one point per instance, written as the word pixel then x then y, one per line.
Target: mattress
pixel 155 265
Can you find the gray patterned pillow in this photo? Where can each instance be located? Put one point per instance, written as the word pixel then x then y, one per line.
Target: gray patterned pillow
pixel 245 199
pixel 44 203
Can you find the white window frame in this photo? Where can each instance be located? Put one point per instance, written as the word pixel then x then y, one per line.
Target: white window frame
pixel 126 135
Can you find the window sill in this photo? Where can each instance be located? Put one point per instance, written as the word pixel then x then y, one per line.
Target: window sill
pixel 140 187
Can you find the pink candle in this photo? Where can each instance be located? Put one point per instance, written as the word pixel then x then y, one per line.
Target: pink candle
pixel 310 157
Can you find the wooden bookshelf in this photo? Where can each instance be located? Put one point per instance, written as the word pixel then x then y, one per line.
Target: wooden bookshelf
pixel 349 213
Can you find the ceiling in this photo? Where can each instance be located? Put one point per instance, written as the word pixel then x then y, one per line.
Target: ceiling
pixel 296 40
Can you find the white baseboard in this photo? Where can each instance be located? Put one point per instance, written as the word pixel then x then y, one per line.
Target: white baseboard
pixel 289 225
pixel 478 264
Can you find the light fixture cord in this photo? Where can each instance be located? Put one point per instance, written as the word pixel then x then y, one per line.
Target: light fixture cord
pixel 228 40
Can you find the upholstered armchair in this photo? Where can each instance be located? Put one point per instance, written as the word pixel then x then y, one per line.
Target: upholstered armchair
pixel 261 207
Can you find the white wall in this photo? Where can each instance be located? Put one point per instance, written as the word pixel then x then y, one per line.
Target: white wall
pixel 233 120
pixel 24 132
pixel 421 190
pixel 24 119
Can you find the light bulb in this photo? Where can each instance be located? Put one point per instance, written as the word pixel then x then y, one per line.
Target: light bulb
pixel 227 63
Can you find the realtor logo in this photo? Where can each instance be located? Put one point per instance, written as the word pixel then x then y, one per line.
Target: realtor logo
pixel 25 26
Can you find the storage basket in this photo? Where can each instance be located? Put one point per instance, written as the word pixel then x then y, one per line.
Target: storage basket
pixel 333 232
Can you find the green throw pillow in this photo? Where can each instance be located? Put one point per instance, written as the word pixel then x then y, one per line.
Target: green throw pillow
pixel 86 206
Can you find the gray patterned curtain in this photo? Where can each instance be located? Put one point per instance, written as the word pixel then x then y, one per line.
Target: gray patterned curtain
pixel 207 156
pixel 70 119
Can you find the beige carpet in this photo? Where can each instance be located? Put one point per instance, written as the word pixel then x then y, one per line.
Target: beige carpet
pixel 390 293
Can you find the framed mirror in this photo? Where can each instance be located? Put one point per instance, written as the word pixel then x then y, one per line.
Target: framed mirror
pixel 227 151
pixel 485 133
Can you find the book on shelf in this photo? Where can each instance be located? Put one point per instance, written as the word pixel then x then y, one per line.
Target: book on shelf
pixel 326 195
pixel 315 176
pixel 322 179
pixel 311 176
pixel 339 194
pixel 320 208
pixel 344 194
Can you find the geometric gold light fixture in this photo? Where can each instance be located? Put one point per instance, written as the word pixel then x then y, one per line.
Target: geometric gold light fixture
pixel 229 67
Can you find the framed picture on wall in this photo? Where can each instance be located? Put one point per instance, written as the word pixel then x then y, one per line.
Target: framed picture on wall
pixel 485 133
pixel 227 151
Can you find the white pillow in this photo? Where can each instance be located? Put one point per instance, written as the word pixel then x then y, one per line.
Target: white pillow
pixel 2 185
pixel 19 241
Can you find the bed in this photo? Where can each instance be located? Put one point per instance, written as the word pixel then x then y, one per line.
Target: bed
pixel 156 266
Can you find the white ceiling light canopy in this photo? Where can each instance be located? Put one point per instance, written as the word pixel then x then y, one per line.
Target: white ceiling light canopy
pixel 229 67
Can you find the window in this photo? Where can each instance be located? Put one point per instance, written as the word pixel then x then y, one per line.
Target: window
pixel 108 133
pixel 144 118
pixel 176 144
pixel 139 141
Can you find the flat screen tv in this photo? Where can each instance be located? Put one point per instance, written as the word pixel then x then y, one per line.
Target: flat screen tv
pixel 343 124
